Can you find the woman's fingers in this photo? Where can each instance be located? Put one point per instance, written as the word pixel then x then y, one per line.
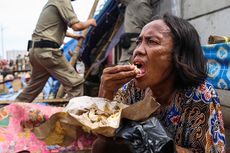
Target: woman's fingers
pixel 119 72
pixel 113 85
pixel 118 68
pixel 114 78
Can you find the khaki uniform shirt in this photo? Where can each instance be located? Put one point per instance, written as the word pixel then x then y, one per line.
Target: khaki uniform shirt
pixel 138 13
pixel 53 21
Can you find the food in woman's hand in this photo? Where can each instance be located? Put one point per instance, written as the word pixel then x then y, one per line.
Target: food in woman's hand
pixel 137 70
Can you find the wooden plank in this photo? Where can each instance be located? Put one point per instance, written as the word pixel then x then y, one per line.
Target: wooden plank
pixel 58 100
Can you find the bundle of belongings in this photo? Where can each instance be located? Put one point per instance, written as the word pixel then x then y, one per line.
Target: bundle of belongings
pixel 75 127
pixel 218 39
pixel 17 121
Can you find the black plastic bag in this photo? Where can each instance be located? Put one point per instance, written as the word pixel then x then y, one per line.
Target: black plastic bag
pixel 146 137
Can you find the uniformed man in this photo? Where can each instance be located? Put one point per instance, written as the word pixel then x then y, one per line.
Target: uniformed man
pixel 45 56
pixel 137 14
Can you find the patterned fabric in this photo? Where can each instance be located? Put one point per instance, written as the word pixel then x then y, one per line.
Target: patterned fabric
pixel 193 118
pixel 18 119
pixel 218 56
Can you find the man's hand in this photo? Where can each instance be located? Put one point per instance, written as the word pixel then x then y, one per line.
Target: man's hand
pixel 77 37
pixel 74 35
pixel 83 25
pixel 114 78
pixel 92 22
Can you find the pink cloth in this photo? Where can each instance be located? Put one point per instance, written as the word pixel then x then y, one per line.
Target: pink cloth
pixel 16 122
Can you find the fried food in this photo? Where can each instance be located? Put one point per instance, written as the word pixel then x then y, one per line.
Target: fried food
pixel 94 117
pixel 137 70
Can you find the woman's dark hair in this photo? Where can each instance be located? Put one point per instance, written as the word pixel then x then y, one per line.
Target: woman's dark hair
pixel 188 57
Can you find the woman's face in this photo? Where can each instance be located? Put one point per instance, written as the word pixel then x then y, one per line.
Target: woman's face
pixel 153 55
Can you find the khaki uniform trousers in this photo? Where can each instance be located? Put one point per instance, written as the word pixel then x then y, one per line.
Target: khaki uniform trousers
pixel 126 54
pixel 44 63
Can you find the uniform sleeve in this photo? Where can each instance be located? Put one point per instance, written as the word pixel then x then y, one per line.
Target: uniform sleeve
pixel 66 10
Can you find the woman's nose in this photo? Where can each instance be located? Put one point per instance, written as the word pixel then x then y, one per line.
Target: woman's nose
pixel 139 50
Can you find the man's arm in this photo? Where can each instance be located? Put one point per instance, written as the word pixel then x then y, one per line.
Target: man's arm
pixel 83 25
pixel 74 35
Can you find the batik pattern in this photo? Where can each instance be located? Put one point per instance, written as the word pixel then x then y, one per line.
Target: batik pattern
pixel 193 119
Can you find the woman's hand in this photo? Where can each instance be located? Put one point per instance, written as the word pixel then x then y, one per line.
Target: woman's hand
pixel 115 77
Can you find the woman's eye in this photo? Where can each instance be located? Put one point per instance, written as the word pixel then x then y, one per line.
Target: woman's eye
pixel 151 41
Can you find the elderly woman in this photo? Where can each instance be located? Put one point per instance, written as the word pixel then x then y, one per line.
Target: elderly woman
pixel 173 70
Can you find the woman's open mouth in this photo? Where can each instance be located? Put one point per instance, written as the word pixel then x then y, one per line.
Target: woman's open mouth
pixel 140 68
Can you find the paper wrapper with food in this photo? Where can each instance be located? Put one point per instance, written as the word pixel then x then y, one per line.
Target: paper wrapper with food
pixel 92 115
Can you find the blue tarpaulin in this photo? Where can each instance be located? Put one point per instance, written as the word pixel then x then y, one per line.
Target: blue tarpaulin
pixel 218 56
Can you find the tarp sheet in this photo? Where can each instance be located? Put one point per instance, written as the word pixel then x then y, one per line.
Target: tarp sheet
pixel 218 57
